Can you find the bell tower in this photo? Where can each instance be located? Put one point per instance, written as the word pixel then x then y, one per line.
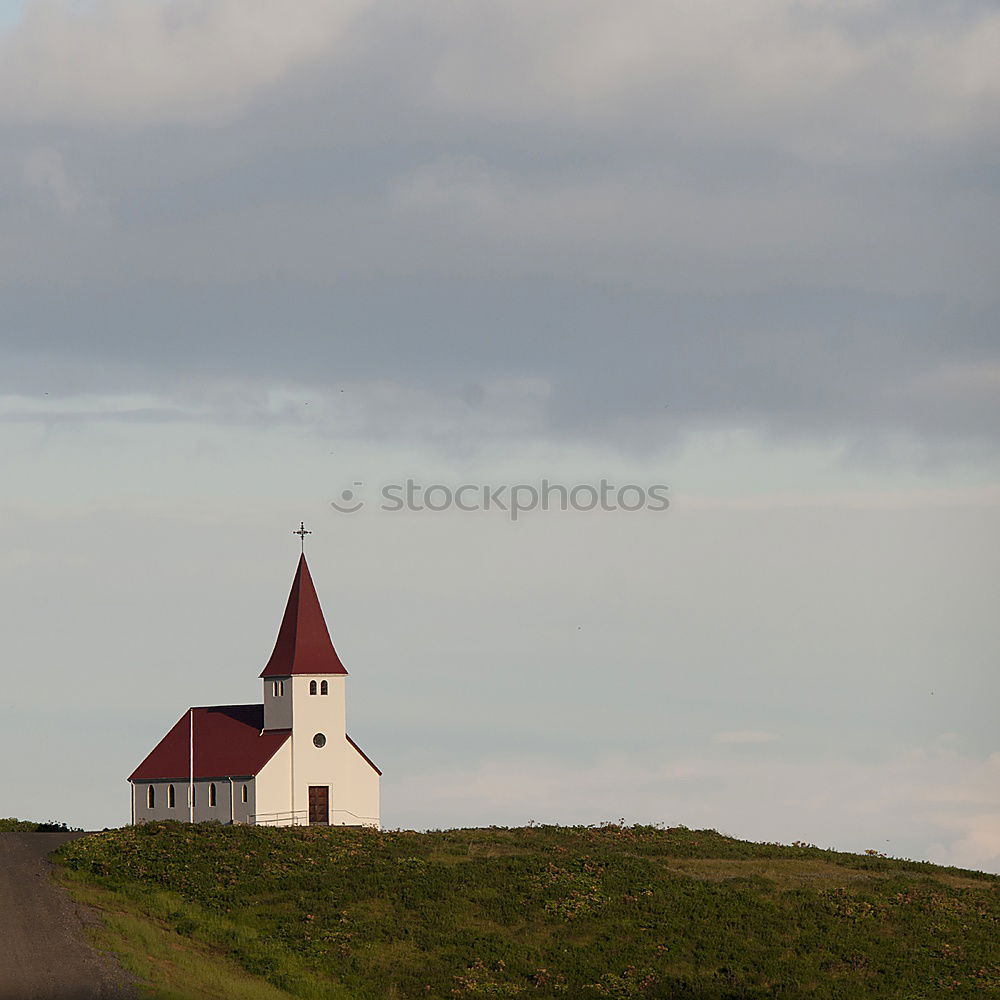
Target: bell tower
pixel 304 678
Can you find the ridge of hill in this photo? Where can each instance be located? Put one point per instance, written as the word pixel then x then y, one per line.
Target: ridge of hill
pixel 12 825
pixel 611 911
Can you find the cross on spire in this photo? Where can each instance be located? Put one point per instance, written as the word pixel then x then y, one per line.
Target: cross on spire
pixel 302 532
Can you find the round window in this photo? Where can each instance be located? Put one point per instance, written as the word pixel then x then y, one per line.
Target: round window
pixel 319 740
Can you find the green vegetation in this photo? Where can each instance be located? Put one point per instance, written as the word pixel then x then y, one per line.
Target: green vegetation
pixel 11 825
pixel 155 953
pixel 583 912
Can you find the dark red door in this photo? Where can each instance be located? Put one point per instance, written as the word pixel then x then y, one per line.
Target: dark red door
pixel 319 805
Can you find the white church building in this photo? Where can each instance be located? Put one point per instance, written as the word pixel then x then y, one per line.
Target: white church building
pixel 287 761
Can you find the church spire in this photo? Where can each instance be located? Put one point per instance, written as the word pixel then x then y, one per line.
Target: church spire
pixel 303 645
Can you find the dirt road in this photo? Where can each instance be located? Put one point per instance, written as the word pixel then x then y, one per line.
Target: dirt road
pixel 44 953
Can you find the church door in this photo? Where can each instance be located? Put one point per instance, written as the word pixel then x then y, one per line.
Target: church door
pixel 319 805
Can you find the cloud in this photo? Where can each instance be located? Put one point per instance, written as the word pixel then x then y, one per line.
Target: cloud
pixel 674 216
pixel 745 736
pixel 832 76
pixel 115 61
pixel 45 171
pixel 978 844
pixel 493 410
pixel 983 497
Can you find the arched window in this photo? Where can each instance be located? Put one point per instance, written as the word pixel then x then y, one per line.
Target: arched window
pixel 312 687
pixel 171 799
pixel 151 797
pixel 194 796
pixel 211 794
pixel 243 794
pixel 324 688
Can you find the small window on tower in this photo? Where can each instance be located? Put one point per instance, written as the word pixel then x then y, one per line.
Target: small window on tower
pixel 243 794
pixel 211 794
pixel 274 688
pixel 171 797
pixel 324 688
pixel 151 797
pixel 312 687
pixel 281 689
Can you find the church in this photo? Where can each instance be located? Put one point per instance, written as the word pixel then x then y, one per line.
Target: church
pixel 288 761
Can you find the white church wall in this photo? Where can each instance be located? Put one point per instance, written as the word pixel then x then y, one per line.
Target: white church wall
pixel 204 811
pixel 354 797
pixel 272 791
pixel 244 810
pixel 319 713
pixel 359 791
pixel 160 809
pixel 228 806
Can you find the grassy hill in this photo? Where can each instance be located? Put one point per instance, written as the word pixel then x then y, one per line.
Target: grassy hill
pixel 583 912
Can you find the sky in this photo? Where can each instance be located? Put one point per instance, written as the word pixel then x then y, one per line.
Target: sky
pixel 253 255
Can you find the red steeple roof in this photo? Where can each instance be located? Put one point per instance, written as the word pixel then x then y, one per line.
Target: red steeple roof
pixel 303 645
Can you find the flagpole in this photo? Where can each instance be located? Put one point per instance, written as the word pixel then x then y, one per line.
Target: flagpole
pixel 191 765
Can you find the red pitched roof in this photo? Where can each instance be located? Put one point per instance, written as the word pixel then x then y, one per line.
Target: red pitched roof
pixel 303 645
pixel 228 742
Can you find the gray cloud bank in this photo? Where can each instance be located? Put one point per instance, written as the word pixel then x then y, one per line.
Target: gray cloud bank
pixel 778 214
